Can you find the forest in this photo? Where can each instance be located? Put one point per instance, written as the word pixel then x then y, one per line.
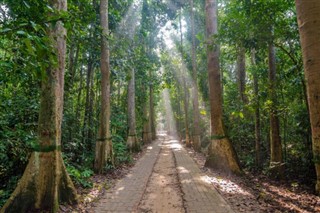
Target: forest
pixel 88 87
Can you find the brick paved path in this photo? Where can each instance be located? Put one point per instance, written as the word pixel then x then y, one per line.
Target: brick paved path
pixel 129 191
pixel 198 197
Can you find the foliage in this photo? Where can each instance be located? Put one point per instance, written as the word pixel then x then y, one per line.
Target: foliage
pixel 80 176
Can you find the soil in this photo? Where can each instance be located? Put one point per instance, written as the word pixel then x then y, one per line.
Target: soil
pixel 163 193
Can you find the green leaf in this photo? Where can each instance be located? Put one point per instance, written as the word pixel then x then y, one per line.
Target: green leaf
pixel 20 32
pixel 29 46
pixel 26 4
pixel 5 30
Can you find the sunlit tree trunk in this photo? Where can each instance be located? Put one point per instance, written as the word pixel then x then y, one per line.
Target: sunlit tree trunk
pixel 222 155
pixel 257 111
pixel 241 74
pixel 103 153
pixel 132 142
pixel 179 113
pixel 196 112
pixel 45 181
pixel 186 111
pixel 277 168
pixel 309 28
pixel 185 89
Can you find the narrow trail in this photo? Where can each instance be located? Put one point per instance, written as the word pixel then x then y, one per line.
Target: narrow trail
pixel 164 180
pixel 163 193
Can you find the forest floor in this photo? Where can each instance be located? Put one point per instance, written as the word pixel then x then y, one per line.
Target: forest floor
pixel 259 193
pixel 247 193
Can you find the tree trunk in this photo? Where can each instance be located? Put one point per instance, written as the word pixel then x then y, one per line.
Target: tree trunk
pixel 78 108
pixel 103 153
pixel 151 110
pixel 186 111
pixel 88 109
pixel 257 112
pixel 179 113
pixel 146 124
pixel 152 115
pixel 276 162
pixel 222 155
pixel 196 112
pixel 309 28
pixel 132 142
pixel 45 181
pixel 241 74
pixel 185 89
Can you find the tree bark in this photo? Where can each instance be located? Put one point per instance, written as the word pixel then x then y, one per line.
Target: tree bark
pixel 45 181
pixel 196 112
pixel 257 112
pixel 222 155
pixel 241 74
pixel 309 28
pixel 132 142
pixel 103 153
pixel 276 162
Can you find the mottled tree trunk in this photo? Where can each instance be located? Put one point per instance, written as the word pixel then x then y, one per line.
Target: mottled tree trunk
pixel 103 153
pixel 309 28
pixel 45 181
pixel 241 74
pixel 276 162
pixel 132 142
pixel 222 155
pixel 196 112
pixel 257 112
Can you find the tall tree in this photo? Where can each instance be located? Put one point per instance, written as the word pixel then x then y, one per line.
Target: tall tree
pixel 275 139
pixel 45 181
pixel 103 152
pixel 132 142
pixel 309 28
pixel 257 111
pixel 185 89
pixel 196 112
pixel 222 155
